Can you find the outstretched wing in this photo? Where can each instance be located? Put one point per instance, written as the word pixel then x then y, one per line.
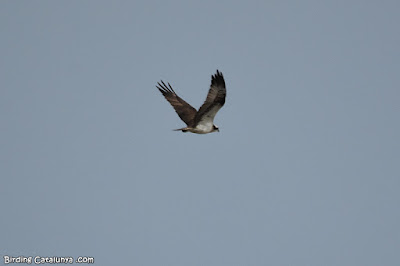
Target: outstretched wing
pixel 214 101
pixel 185 111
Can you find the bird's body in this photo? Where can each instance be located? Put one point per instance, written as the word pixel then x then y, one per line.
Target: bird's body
pixel 201 121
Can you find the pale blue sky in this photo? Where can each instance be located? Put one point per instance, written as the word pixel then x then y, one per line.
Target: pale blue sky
pixel 305 169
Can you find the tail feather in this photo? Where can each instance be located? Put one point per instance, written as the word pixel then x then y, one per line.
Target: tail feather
pixel 184 129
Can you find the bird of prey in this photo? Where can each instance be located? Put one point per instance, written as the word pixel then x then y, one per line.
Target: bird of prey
pixel 201 121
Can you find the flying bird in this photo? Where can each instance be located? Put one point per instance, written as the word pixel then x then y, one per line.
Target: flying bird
pixel 201 121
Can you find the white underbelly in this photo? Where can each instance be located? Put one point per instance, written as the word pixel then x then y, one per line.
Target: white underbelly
pixel 203 128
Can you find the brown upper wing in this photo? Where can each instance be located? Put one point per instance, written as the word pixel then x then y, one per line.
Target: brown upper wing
pixel 214 101
pixel 185 111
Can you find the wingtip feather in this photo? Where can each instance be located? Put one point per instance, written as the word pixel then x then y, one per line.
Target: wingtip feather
pixel 218 79
pixel 163 88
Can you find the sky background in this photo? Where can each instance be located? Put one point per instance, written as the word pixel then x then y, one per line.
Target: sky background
pixel 304 171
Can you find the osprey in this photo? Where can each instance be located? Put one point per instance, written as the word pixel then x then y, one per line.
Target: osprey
pixel 201 121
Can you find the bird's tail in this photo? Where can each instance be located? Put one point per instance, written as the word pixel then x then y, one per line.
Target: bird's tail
pixel 184 129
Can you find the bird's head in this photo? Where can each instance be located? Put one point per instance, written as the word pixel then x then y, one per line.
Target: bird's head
pixel 215 128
